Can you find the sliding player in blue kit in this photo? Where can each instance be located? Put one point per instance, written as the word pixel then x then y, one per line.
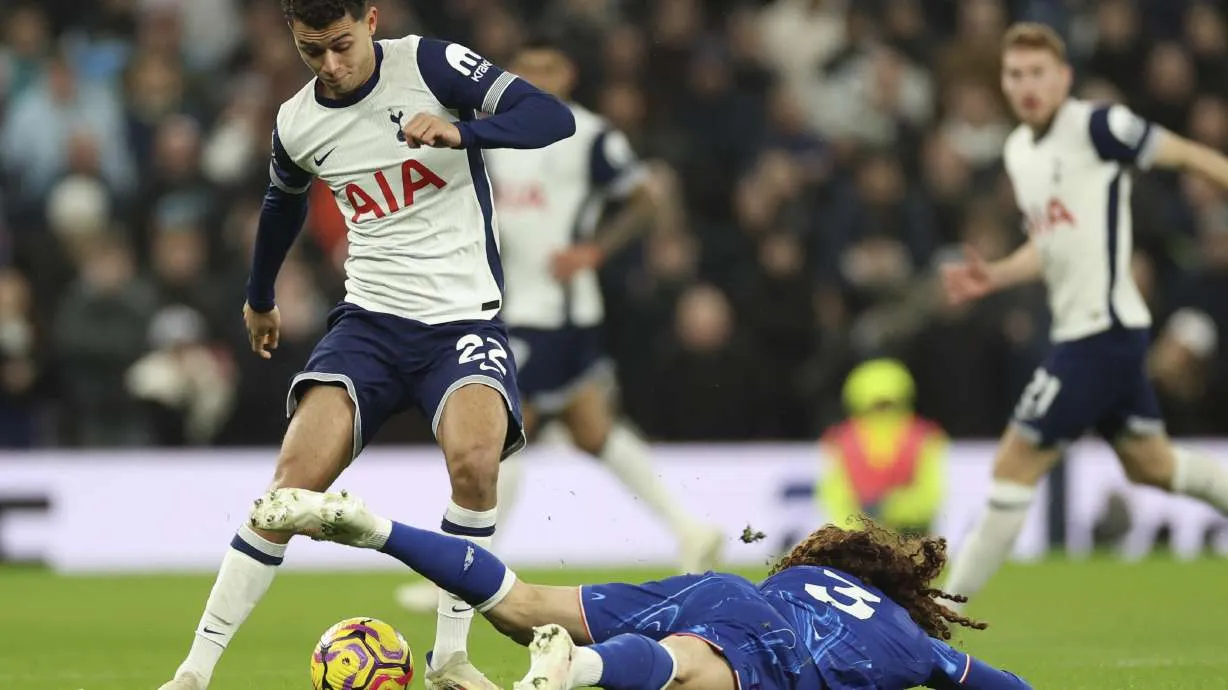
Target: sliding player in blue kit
pixel 845 610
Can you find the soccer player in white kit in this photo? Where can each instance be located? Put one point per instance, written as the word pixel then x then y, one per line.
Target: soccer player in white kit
pixel 391 126
pixel 1070 163
pixel 550 203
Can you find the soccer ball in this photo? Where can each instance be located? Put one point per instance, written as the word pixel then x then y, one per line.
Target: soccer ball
pixel 362 654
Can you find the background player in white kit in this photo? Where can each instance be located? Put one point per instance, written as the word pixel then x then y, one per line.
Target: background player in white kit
pixel 1069 162
pixel 550 203
pixel 391 127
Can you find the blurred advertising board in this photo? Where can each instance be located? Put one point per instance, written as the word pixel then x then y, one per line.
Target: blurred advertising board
pixel 177 510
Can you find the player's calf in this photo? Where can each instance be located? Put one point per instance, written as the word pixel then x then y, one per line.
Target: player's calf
pixel 319 443
pixel 472 432
pixel 1153 460
pixel 528 606
pixel 1018 467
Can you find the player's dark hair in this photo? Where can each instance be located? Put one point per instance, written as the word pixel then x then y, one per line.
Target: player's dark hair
pixel 318 14
pixel 901 567
pixel 542 40
pixel 547 40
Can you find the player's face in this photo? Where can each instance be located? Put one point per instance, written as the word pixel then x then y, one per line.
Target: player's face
pixel 342 54
pixel 1035 82
pixel 549 70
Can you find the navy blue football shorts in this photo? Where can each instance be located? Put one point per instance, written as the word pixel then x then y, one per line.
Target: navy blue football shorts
pixel 388 364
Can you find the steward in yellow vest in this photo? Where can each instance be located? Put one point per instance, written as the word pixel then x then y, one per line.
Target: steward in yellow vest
pixel 883 461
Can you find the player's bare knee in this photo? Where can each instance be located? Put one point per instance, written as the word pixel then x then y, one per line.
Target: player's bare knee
pixel 1146 460
pixel 1020 460
pixel 589 440
pixel 473 467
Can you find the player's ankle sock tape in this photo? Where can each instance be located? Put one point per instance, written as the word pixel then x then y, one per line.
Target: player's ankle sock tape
pixel 1007 495
pixel 456 565
pixel 462 522
pixel 634 662
pixel 259 549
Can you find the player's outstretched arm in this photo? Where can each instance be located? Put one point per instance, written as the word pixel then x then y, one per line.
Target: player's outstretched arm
pixel 956 670
pixel 281 217
pixel 1175 152
pixel 521 115
pixel 974 277
pixel 622 175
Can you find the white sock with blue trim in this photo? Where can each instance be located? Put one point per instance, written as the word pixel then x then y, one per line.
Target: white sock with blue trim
pixel 629 459
pixel 454 615
pixel 246 572
pixel 1198 476
pixel 991 541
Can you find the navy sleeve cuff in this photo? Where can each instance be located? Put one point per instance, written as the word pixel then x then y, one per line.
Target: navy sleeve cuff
pixel 466 135
pixel 281 217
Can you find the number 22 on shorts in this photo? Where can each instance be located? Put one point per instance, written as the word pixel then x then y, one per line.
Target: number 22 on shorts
pixel 490 353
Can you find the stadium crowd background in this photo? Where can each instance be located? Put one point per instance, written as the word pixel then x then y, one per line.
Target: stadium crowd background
pixel 823 156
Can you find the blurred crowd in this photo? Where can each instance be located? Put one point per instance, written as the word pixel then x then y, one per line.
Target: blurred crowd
pixel 824 157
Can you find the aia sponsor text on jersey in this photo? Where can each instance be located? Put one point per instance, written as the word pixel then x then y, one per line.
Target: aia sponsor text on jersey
pixel 529 196
pixel 1054 216
pixel 378 198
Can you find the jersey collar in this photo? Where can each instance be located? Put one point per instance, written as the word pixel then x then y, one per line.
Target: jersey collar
pixel 1038 137
pixel 357 94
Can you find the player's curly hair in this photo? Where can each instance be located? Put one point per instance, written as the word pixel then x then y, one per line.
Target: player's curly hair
pixel 318 14
pixel 901 567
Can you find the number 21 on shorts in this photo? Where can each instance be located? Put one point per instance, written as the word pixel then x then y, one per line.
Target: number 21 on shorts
pixel 1038 396
pixel 489 354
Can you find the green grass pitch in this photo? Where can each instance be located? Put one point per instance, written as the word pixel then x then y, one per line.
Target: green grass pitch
pixel 1070 625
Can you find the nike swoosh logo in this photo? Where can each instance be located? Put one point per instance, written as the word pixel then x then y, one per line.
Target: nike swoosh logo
pixel 320 161
pixel 461 609
pixel 211 631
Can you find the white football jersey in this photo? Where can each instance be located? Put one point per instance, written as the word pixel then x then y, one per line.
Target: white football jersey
pixel 549 199
pixel 1072 184
pixel 421 223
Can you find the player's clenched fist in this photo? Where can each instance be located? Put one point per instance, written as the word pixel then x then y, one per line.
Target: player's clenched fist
pixel 431 130
pixel 967 280
pixel 263 330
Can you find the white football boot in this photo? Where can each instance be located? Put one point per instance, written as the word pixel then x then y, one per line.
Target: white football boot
pixel 457 673
pixel 550 651
pixel 185 680
pixel 700 550
pixel 337 517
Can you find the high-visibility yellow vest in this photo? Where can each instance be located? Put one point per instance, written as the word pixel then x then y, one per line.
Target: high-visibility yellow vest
pixel 873 477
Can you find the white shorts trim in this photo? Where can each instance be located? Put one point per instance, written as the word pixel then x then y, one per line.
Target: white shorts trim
pixel 326 378
pixel 1144 426
pixel 490 382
